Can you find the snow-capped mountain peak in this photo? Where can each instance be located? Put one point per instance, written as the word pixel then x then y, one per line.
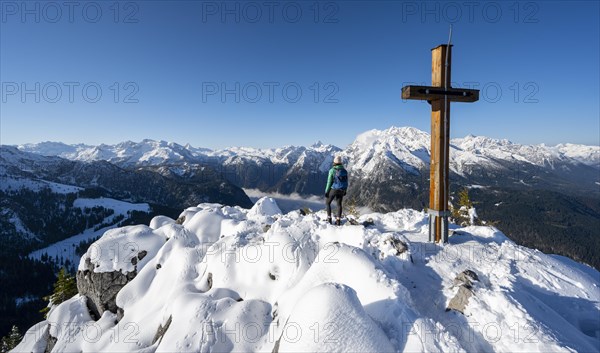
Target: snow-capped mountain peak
pixel 472 142
pixel 589 155
pixel 317 144
pixel 410 137
pixel 406 148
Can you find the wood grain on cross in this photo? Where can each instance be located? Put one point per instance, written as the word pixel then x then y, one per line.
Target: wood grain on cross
pixel 439 95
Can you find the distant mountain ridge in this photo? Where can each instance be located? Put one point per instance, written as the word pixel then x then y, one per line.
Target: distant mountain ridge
pixel 375 156
pixel 552 192
pixel 151 152
pixel 135 184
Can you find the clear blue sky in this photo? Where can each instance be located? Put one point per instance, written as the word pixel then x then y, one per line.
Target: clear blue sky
pixel 537 64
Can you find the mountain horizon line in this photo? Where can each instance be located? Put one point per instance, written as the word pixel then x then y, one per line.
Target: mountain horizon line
pixel 318 143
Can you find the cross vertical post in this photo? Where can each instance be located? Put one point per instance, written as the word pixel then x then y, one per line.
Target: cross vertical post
pixel 440 140
pixel 439 95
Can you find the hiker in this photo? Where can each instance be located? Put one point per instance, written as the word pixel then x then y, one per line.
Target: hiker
pixel 337 184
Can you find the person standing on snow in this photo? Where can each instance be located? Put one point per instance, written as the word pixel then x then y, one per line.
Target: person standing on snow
pixel 337 184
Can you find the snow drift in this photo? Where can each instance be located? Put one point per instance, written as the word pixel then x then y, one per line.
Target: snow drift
pixel 222 279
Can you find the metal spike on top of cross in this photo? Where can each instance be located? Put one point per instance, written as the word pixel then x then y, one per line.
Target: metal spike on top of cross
pixel 439 95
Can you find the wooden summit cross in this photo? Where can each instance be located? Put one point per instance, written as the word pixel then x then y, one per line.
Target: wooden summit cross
pixel 439 95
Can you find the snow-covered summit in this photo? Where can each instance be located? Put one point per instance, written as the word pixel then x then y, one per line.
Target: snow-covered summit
pixel 49 148
pixel 589 155
pixel 145 152
pixel 220 280
pixel 476 143
pixel 407 147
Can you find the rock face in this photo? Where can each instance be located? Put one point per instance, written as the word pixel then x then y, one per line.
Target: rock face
pixel 113 261
pixel 160 332
pixel 50 341
pixel 101 288
pixel 464 281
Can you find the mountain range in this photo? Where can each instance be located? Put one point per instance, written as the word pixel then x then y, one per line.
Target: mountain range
pixel 407 144
pixel 395 152
pixel 555 188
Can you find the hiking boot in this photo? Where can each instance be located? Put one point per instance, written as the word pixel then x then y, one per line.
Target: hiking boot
pixel 329 220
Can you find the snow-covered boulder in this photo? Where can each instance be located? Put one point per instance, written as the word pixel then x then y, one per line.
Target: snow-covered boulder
pixel 112 262
pixel 264 210
pixel 160 221
pixel 314 324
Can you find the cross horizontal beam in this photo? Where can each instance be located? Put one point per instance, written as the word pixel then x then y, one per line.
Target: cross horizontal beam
pixel 430 93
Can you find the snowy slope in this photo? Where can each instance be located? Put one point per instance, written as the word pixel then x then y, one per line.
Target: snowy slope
pixel 230 279
pixel 11 183
pixel 65 249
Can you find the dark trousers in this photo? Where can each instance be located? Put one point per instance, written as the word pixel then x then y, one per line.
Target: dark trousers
pixel 338 195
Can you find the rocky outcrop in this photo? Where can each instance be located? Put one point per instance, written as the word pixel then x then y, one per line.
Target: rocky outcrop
pixel 50 341
pixel 160 332
pixel 464 282
pixel 101 288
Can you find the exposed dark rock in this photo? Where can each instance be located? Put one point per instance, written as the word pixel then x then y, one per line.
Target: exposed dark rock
pixel 352 221
pixel 101 289
pixel 209 280
pixel 120 314
pixel 369 222
pixel 398 244
pixel 466 278
pixel 158 266
pixel 276 347
pixel 162 330
pixel 464 281
pixel 275 313
pixel 460 300
pixel 50 341
pixel 142 254
pixel 180 220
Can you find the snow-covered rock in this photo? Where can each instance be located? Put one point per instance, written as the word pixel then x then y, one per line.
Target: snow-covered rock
pixel 223 283
pixel 112 262
pixel 264 210
pixel 314 325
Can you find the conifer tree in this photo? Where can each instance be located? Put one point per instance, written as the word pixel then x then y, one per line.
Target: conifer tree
pixel 64 288
pixel 462 214
pixel 11 340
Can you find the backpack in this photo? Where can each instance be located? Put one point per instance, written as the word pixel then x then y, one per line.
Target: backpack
pixel 340 179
